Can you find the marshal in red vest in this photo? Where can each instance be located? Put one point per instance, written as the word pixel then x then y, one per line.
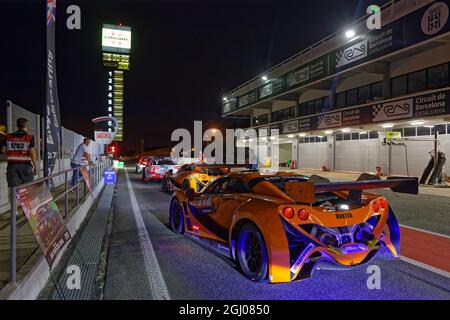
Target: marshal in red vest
pixel 17 147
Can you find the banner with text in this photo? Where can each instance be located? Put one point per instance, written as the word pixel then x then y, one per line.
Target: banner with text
pixel 45 220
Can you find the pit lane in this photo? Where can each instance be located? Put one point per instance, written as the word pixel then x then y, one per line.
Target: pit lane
pixel 190 271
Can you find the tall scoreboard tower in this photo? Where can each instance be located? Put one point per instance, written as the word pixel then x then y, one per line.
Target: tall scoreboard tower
pixel 116 49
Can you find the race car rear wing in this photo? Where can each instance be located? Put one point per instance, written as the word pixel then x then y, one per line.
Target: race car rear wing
pixel 305 192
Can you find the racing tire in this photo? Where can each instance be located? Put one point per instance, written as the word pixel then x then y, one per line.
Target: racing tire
pixel 176 217
pixel 251 253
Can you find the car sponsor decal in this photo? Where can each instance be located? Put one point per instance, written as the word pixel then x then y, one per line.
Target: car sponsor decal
pixel 301 258
pixel 344 215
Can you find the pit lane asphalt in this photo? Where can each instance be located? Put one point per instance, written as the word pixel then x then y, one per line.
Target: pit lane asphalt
pixel 192 272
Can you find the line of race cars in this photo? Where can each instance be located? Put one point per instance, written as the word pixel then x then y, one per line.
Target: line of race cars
pixel 280 227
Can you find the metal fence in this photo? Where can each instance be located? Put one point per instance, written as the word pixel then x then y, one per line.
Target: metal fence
pixel 95 176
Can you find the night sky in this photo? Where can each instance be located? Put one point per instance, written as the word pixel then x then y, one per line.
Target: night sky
pixel 185 55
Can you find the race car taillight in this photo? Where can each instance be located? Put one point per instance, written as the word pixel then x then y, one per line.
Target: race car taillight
pixel 376 206
pixel 303 214
pixel 144 163
pixel 152 169
pixel 382 203
pixel 288 212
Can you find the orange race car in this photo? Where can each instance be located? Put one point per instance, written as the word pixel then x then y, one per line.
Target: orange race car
pixel 280 228
pixel 195 176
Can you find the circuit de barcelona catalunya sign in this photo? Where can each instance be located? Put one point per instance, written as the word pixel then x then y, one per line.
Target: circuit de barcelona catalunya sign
pixel 420 25
pixel 435 103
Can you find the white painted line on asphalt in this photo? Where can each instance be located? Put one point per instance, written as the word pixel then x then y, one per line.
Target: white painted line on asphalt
pixel 154 274
pixel 425 231
pixel 426 266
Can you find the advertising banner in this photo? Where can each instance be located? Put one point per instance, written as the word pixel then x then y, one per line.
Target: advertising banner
pixel 421 106
pixel 310 72
pixel 374 45
pixel 104 137
pixel 289 127
pixel 51 110
pixel 45 220
pixel 427 22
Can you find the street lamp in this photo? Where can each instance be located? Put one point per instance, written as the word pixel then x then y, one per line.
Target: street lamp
pixel 350 33
pixel 264 78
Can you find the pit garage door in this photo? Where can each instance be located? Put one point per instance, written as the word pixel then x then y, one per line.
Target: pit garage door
pixel 357 155
pixel 312 155
pixel 285 150
pixel 418 157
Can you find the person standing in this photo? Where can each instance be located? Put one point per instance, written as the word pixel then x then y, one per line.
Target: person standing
pixel 21 156
pixel 82 157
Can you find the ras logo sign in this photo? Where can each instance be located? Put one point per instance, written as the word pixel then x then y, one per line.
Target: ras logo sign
pixel 393 110
pixel 330 120
pixel 351 54
pixel 435 18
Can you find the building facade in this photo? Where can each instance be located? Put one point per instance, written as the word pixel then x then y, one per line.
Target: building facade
pixel 336 102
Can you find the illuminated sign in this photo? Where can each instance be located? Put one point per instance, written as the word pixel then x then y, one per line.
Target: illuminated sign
pixel 116 61
pixel 116 38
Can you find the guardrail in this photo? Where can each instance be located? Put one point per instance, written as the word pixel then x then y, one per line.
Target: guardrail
pixel 95 176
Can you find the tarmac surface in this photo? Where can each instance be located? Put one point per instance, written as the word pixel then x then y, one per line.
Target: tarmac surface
pixel 148 261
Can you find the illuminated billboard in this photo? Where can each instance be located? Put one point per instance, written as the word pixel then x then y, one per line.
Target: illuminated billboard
pixel 116 38
pixel 116 61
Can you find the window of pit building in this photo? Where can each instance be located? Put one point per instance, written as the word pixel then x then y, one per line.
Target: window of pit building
pixel 399 86
pixel 376 90
pixel 364 136
pixel 439 129
pixel 409 131
pixel 364 94
pixel 339 137
pixel 423 131
pixel 355 136
pixel 318 105
pixel 341 100
pixel 313 139
pixel 352 97
pixel 438 76
pixel 417 81
pixel 306 108
pixel 261 120
pixel 283 114
pixel 326 104
pixel 373 135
